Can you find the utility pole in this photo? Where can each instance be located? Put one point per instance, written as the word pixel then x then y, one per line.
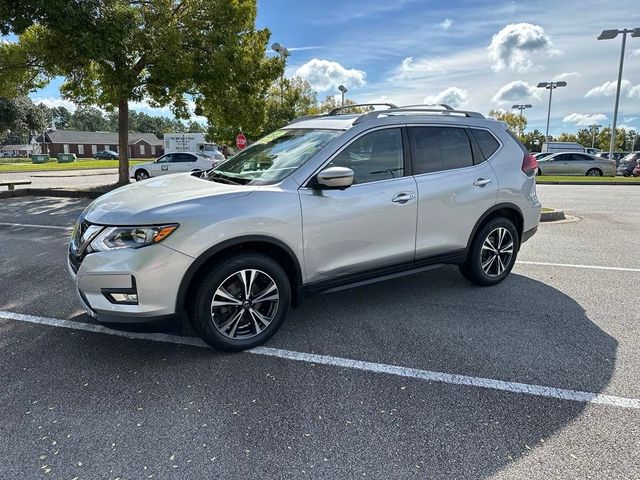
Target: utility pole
pixel 521 107
pixel 594 129
pixel 550 86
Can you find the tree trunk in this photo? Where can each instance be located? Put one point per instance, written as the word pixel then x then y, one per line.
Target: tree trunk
pixel 123 141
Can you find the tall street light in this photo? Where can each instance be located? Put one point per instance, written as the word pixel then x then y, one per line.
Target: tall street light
pixel 610 35
pixel 521 107
pixel 594 129
pixel 550 86
pixel 344 90
pixel 284 53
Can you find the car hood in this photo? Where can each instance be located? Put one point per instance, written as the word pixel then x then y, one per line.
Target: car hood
pixel 160 200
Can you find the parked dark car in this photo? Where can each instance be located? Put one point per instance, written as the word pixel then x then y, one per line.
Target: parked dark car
pixel 617 156
pixel 628 164
pixel 106 155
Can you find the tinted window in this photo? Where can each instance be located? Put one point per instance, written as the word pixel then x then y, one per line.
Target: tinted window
pixel 166 159
pixel 184 157
pixel 374 156
pixel 487 142
pixel 440 148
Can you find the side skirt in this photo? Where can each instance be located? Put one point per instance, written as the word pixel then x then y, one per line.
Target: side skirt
pixel 381 274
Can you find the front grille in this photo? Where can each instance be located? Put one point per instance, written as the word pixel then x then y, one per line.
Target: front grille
pixel 83 233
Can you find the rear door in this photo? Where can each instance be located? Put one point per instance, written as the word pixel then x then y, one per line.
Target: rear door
pixel 456 185
pixel 184 162
pixel 558 164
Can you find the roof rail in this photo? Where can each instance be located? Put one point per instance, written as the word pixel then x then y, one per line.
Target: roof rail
pixel 423 105
pixel 415 110
pixel 337 110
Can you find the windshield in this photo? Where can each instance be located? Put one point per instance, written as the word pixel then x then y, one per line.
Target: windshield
pixel 273 157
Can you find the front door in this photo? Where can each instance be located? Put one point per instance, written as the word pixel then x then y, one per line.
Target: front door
pixel 163 165
pixel 369 225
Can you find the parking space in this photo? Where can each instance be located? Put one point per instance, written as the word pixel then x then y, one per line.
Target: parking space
pixel 92 405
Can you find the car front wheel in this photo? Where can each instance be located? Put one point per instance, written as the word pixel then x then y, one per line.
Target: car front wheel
pixel 493 253
pixel 241 303
pixel 141 174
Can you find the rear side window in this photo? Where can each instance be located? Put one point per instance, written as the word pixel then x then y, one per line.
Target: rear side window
pixel 487 142
pixel 440 148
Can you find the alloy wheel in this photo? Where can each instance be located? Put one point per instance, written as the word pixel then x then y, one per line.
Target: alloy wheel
pixel 245 304
pixel 496 252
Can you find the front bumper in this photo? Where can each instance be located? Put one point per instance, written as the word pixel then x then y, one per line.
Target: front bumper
pixel 153 272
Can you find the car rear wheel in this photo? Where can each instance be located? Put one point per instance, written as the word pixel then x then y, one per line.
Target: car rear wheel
pixel 594 172
pixel 241 303
pixel 493 253
pixel 141 174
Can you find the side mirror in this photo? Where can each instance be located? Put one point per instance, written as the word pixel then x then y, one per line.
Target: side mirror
pixel 336 177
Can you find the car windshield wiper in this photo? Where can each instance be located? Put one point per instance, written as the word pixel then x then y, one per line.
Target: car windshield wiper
pixel 219 177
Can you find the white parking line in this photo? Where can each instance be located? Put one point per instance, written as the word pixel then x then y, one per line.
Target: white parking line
pixel 31 225
pixel 406 372
pixel 571 265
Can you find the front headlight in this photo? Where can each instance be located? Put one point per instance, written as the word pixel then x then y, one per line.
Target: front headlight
pixel 112 238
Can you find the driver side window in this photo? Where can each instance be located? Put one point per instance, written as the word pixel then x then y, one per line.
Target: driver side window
pixel 374 156
pixel 166 159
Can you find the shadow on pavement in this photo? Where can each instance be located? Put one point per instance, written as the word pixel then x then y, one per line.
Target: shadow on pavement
pixel 264 417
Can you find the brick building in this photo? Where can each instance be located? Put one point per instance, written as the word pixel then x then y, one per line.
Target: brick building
pixel 86 144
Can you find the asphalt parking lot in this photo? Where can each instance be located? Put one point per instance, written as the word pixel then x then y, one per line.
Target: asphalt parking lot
pixel 538 377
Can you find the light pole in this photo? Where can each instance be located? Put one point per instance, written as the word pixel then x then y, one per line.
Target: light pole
pixel 284 53
pixel 550 86
pixel 344 90
pixel 594 129
pixel 521 107
pixel 609 35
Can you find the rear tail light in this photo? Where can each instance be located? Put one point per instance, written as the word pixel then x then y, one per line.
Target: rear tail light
pixel 529 164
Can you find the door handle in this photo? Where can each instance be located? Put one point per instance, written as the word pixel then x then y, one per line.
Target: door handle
pixel 481 182
pixel 403 197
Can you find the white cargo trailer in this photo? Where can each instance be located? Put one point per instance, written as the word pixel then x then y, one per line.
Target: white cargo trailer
pixel 191 142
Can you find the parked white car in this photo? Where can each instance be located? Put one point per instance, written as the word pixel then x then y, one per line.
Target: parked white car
pixel 172 163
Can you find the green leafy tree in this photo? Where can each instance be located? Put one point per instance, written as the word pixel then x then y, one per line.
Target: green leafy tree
pixel 567 137
pixel 112 52
pixel 61 117
pixel 533 140
pixel 88 119
pixel 516 122
pixel 21 119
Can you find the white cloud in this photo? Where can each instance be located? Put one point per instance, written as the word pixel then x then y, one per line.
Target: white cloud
pixel 629 119
pixel 583 119
pixel 515 45
pixel 411 69
pixel 634 92
pixel 325 75
pixel 566 76
pixel 446 24
pixel 626 126
pixel 515 92
pixel 608 89
pixel 454 96
pixel 54 102
pixel 635 52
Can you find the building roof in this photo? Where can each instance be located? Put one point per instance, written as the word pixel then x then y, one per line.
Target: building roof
pixel 98 138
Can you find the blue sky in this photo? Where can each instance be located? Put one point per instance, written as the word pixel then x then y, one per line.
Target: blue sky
pixel 476 55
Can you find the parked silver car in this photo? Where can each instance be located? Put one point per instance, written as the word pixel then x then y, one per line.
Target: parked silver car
pixel 325 203
pixel 571 163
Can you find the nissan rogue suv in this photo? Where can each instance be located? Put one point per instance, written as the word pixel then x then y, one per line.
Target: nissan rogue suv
pixel 325 203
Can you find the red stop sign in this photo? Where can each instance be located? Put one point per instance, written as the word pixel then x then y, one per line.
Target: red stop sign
pixel 241 141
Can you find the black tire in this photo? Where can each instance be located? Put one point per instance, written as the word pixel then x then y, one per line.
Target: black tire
pixel 473 270
pixel 141 174
pixel 200 310
pixel 539 172
pixel 594 172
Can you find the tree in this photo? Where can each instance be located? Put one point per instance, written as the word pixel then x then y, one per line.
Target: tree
pixel 61 117
pixel 88 119
pixel 517 123
pixel 112 52
pixel 533 140
pixel 21 118
pixel 567 137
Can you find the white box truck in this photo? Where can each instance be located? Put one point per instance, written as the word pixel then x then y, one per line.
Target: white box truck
pixel 554 147
pixel 191 142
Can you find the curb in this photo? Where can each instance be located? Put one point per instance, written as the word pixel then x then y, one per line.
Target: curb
pixel 556 182
pixel 48 192
pixel 552 216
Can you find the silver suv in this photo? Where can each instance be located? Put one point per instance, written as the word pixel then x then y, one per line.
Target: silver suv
pixel 326 203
